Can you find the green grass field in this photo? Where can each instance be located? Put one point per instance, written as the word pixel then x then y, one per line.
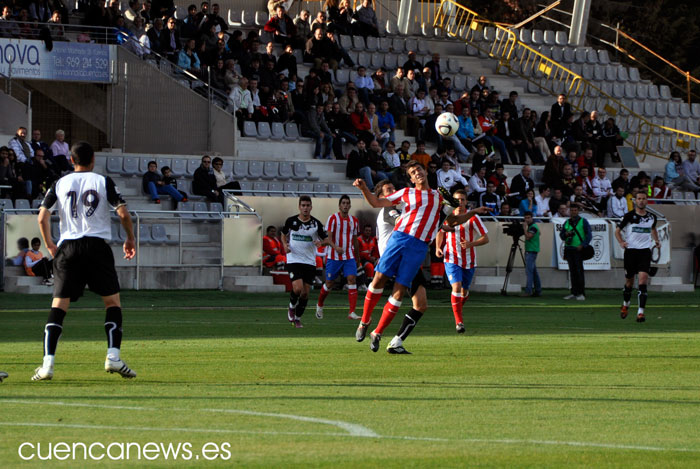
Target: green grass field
pixel 534 383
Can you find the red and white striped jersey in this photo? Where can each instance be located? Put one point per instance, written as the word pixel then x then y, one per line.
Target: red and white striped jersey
pixel 341 231
pixel 421 214
pixel 469 231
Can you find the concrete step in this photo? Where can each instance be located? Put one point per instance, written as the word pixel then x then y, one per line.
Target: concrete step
pixel 232 284
pixel 23 281
pixel 251 280
pixel 493 285
pixel 28 289
pixel 669 284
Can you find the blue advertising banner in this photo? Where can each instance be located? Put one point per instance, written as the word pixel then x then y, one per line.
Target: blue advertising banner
pixel 68 61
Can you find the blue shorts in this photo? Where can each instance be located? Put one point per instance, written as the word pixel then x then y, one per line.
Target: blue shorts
pixel 333 268
pixel 403 257
pixel 456 274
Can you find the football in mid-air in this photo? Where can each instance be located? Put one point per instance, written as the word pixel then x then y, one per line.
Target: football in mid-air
pixel 447 124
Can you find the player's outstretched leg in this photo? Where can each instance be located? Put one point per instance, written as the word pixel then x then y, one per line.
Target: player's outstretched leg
pixel 3 375
pixel 626 297
pixel 113 329
pixel 642 296
pixel 52 332
pixel 325 291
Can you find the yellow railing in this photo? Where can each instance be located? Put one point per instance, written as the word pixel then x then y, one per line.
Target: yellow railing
pixel 501 43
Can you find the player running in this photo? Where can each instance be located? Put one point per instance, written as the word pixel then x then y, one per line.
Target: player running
pixel 302 235
pixel 640 230
pixel 460 255
pixel 82 256
pixel 406 248
pixel 342 229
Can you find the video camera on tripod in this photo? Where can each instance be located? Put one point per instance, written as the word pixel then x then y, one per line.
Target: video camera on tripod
pixel 515 230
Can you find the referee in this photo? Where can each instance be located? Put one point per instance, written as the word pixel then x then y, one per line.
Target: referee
pixel 639 227
pixel 82 256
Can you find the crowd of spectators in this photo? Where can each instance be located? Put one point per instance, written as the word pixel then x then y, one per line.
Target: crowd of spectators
pixel 28 167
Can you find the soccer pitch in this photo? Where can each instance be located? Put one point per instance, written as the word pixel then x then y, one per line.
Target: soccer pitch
pixel 535 382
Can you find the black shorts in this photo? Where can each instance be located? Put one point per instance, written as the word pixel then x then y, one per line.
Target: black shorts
pixel 305 272
pixel 85 261
pixel 418 281
pixel 637 260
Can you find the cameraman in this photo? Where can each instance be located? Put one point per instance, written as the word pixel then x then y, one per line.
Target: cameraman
pixel 532 248
pixel 576 234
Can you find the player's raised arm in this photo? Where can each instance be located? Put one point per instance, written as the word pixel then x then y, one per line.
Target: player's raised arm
pixel 454 220
pixel 372 199
pixel 45 228
pixel 129 243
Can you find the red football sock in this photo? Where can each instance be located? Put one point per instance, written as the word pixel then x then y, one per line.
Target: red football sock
pixel 390 309
pixel 371 300
pixel 323 295
pixel 352 297
pixel 457 302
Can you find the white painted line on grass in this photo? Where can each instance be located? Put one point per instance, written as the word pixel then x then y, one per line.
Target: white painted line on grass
pixel 507 441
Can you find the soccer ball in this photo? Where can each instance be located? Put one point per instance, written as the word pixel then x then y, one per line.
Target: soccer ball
pixel 447 124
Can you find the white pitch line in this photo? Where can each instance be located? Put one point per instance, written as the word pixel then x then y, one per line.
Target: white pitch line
pixel 352 428
pixel 508 441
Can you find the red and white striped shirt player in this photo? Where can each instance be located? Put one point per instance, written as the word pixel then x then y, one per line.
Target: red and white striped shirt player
pixel 342 230
pixel 468 232
pixel 423 206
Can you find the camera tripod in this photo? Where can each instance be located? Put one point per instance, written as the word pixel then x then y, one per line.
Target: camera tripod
pixel 511 260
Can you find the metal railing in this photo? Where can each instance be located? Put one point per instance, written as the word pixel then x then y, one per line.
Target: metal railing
pixel 60 32
pixel 528 63
pixel 21 94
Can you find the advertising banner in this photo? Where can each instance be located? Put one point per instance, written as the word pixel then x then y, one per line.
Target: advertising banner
pixel 600 242
pixel 68 61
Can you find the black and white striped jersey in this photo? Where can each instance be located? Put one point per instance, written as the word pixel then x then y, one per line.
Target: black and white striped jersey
pixel 83 201
pixel 636 229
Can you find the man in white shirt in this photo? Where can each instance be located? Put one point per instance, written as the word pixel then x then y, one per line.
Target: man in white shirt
pixel 364 85
pixel 692 167
pixel 542 201
pixel 240 101
pixel 448 177
pixel 617 204
pixel 477 184
pixel 602 188
pixel 419 106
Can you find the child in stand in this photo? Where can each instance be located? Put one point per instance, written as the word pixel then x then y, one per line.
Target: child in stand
pixel 36 264
pixel 169 179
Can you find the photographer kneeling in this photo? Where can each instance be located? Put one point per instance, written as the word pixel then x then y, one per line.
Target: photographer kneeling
pixel 576 234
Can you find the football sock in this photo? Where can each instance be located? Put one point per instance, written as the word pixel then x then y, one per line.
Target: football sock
pixel 390 309
pixel 113 329
pixel 371 299
pixel 627 295
pixel 352 297
pixel 52 332
pixel 409 322
pixel 322 296
pixel 301 306
pixel 457 302
pixel 293 299
pixel 642 297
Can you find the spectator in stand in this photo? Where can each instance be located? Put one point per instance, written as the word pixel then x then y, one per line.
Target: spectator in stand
pixel 579 131
pixel 404 152
pixel 660 191
pixel 542 200
pixel 366 165
pixel 273 251
pixel 161 8
pixel 366 24
pixel 319 49
pixel 319 21
pixel 553 167
pixel 412 63
pixel 630 197
pixel 602 189
pixel 567 181
pixel 480 85
pixel 381 86
pixel 171 180
pixel 339 126
pixel 623 180
pixel 692 167
pixel 580 200
pixel 449 178
pixel 287 62
pixel 340 15
pixel 465 133
pixel 510 105
pixel 170 39
pixel 491 199
pixel 434 67
pixel 595 132
pixel 586 180
pixel 528 136
pixel 374 124
pixel 223 181
pixel 189 27
pixel 617 204
pixel 6 175
pixel 156 36
pixel 477 185
pixel 556 200
pixel 145 12
pixel 400 108
pixel 559 115
pixel 154 185
pixel 338 50
pixel 301 22
pixel 443 98
pixel 610 140
pixel 522 183
pixel 41 173
pixel 364 85
pixel 543 135
pixel 586 159
pixel 411 84
pixel 35 264
pixel 400 80
pixel 23 248
pixel 255 98
pixel 37 144
pixel 58 32
pixel 19 145
pixel 400 179
pixel 189 60
pixel 498 177
pixel 528 204
pixel 204 182
pixel 272 5
pixel 420 155
pixel 674 174
pixel 361 126
pixel 419 107
pixel 240 101
pixel 317 129
pixel 385 121
pixel 489 130
pixel 282 28
pixel 510 132
pixel 391 158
